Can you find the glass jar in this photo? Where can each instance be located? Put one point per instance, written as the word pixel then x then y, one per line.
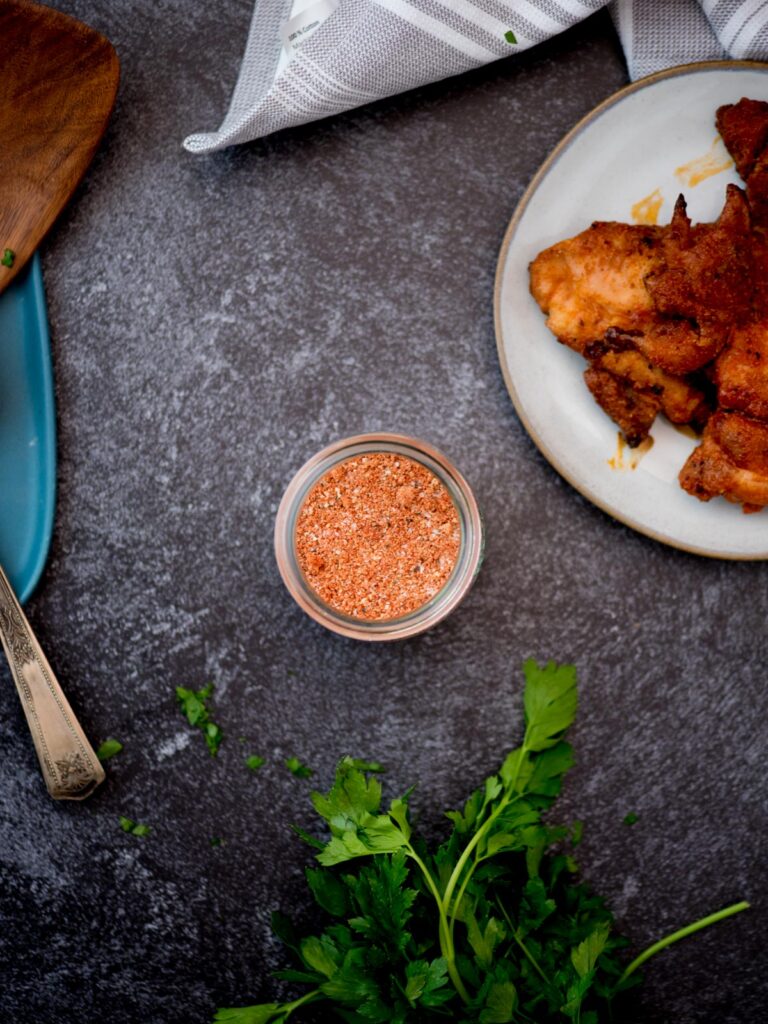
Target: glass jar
pixel 437 607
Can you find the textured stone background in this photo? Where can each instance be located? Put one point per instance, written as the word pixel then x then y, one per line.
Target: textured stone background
pixel 214 322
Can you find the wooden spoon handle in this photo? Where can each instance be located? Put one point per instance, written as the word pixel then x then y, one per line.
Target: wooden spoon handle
pixel 70 767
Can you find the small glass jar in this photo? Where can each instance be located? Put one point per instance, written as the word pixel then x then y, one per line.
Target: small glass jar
pixel 437 607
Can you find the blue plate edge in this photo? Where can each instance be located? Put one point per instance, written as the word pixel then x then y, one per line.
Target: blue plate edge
pixel 48 413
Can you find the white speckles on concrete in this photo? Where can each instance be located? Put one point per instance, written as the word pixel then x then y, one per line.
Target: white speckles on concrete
pixel 179 741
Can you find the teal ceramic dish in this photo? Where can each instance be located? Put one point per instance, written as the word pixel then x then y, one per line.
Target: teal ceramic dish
pixel 27 432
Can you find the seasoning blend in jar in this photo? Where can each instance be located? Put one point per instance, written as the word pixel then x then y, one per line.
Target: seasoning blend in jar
pixel 378 537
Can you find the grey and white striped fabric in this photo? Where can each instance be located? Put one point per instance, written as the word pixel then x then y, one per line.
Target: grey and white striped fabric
pixel 367 49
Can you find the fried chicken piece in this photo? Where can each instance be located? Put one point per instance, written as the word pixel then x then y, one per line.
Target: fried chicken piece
pixel 677 397
pixel 731 461
pixel 637 391
pixel 595 281
pixel 744 129
pixel 741 372
pixel 632 411
pixel 706 272
pixel 674 291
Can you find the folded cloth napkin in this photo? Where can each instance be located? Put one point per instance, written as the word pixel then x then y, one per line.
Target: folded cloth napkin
pixel 307 59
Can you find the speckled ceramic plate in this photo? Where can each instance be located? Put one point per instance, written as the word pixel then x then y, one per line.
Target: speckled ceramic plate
pixel 27 432
pixel 656 138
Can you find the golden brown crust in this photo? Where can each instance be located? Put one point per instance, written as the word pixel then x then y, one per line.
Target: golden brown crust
pixel 677 397
pixel 595 281
pixel 706 272
pixel 731 462
pixel 631 410
pixel 744 128
pixel 741 372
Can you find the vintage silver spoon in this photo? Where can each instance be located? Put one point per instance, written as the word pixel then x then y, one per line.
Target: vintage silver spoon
pixel 69 764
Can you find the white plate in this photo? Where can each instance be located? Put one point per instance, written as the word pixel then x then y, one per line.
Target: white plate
pixel 625 149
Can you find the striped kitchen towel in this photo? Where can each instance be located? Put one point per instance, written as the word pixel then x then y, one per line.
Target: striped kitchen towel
pixel 307 59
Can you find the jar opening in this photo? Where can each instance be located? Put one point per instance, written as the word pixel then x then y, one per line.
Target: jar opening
pixel 377 536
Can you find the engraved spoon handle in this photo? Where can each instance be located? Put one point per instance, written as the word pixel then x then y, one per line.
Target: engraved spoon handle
pixel 70 767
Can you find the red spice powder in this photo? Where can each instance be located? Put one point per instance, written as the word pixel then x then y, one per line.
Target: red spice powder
pixel 377 536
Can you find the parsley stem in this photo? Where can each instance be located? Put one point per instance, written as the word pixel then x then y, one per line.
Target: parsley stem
pixel 467 852
pixel 446 941
pixel 309 997
pixel 515 933
pixel 462 889
pixel 681 934
pixel 529 956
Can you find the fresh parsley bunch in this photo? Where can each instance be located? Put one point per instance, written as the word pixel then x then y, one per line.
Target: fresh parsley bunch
pixel 492 926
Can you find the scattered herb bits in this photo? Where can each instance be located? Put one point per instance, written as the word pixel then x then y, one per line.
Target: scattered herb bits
pixel 108 749
pixel 295 767
pixel 630 819
pixel 254 762
pixel 492 925
pixel 133 828
pixel 8 258
pixel 510 37
pixel 194 704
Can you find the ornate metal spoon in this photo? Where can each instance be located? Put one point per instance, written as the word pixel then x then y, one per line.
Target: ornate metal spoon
pixel 70 767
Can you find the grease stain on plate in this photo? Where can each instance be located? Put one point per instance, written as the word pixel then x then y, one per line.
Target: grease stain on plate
pixel 646 210
pixel 714 161
pixel 626 457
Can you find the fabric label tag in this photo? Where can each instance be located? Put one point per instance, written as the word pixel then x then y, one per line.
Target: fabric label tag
pixel 301 26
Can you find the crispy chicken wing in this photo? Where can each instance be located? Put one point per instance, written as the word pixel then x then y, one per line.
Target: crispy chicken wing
pixel 731 461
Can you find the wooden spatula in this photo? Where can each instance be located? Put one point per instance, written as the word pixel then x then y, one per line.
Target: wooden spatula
pixel 58 81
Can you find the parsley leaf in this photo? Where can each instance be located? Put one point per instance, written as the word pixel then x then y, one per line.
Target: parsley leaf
pixel 630 819
pixel 254 762
pixel 500 1003
pixel 510 37
pixel 8 257
pixel 295 767
pixel 108 749
pixel 194 704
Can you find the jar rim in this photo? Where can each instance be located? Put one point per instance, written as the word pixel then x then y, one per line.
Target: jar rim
pixel 453 590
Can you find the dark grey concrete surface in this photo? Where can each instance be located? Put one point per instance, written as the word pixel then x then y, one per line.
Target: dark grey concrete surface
pixel 214 322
